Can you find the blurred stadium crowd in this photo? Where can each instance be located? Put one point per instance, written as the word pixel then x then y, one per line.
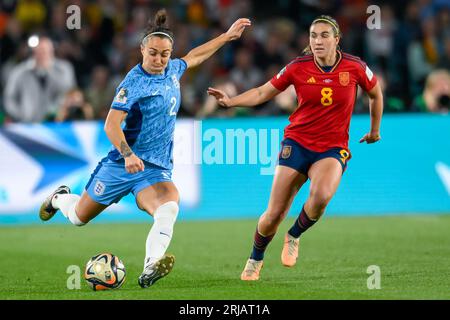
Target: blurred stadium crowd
pixel 72 74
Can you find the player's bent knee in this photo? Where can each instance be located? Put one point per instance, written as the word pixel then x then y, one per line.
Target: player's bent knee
pixel 274 217
pixel 321 199
pixel 74 219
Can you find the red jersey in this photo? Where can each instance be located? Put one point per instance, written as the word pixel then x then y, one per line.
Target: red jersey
pixel 325 99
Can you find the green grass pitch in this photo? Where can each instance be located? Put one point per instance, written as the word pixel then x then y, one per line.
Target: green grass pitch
pixel 413 253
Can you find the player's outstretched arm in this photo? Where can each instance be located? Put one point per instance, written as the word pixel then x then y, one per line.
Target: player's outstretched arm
pixel 250 98
pixel 199 54
pixel 115 134
pixel 376 111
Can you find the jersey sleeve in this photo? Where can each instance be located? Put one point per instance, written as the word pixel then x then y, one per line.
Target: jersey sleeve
pixel 126 95
pixel 179 66
pixel 366 78
pixel 282 80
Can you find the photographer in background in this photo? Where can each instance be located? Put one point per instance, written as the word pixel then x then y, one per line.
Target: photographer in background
pixel 436 95
pixel 35 87
pixel 74 107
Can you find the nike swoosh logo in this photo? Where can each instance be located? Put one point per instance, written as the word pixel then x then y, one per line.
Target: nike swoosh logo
pixel 164 234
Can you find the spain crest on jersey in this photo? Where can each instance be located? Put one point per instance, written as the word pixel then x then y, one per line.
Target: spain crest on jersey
pixel 344 78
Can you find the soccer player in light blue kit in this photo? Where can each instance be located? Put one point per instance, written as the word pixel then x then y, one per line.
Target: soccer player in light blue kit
pixel 140 125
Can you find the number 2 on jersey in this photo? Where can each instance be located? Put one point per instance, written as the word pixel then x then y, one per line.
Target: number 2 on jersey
pixel 173 103
pixel 326 96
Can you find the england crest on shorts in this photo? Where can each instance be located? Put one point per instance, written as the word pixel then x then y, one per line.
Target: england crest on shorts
pixel 99 188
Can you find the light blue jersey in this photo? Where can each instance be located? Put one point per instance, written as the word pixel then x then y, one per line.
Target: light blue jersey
pixel 152 102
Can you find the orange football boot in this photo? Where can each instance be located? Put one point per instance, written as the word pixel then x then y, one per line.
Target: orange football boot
pixel 289 253
pixel 251 270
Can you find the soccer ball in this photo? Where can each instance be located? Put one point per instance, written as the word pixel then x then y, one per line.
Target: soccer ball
pixel 105 271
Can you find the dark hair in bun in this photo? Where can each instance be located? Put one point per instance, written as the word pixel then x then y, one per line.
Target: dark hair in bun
pixel 161 18
pixel 159 24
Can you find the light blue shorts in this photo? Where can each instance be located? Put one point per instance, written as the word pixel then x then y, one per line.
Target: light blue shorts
pixel 110 181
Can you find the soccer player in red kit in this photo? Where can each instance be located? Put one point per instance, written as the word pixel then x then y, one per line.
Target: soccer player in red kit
pixel 315 143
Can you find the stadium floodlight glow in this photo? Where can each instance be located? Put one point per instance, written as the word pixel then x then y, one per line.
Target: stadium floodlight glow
pixel 33 41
